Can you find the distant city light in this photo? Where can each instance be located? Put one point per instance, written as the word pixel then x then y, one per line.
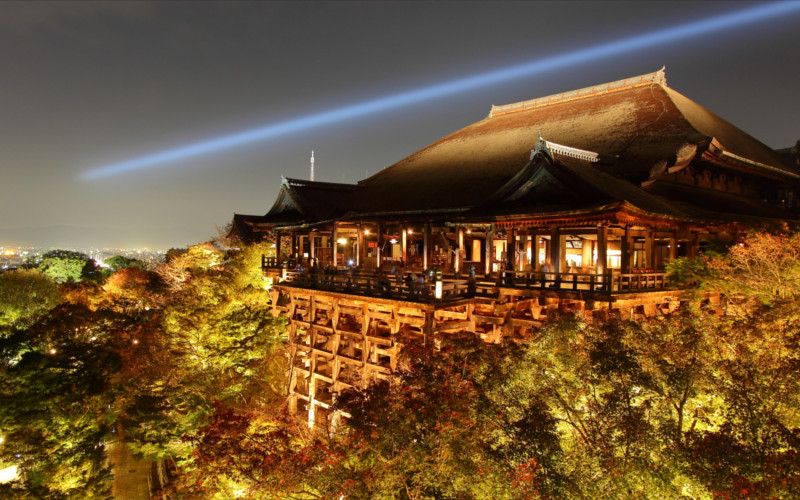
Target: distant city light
pixel 733 19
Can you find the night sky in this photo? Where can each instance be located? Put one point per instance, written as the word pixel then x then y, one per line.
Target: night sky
pixel 88 84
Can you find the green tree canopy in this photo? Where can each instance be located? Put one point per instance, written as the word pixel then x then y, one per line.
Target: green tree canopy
pixel 118 262
pixel 66 266
pixel 25 296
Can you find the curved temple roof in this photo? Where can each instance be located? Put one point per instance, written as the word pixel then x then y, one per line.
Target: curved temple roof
pixel 631 126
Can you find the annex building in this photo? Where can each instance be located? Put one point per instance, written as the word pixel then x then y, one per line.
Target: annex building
pixel 571 202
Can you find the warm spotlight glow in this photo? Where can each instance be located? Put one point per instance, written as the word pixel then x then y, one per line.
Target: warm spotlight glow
pixel 590 54
pixel 342 241
pixel 52 350
pixel 8 474
pixel 366 232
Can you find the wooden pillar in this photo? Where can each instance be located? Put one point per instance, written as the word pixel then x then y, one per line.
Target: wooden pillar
pixel 649 249
pixel 379 249
pixel 535 267
pixel 602 249
pixel 427 245
pixel 311 253
pixel 459 250
pixel 294 244
pixel 694 246
pixel 673 247
pixel 404 245
pixel 625 256
pixel 278 245
pixel 334 245
pixel 555 250
pixel 511 247
pixel 489 250
pixel 361 254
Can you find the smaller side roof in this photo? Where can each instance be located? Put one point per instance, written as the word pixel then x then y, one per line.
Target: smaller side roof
pixel 310 201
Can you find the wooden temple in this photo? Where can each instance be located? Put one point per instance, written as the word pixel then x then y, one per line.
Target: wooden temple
pixel 571 202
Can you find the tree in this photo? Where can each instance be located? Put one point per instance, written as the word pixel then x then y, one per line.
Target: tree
pixel 55 401
pixel 65 266
pixel 118 262
pixel 25 296
pixel 215 343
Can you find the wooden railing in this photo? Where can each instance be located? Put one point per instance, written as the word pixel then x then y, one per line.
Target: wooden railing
pixel 275 263
pixel 607 282
pixel 558 281
pixel 640 281
pixel 412 287
pixel 422 286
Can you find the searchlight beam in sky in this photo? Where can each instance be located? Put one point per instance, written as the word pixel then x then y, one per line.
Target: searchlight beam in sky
pixel 726 21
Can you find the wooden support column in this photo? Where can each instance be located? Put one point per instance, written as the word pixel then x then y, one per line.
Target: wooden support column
pixel 294 244
pixel 535 251
pixel 649 249
pixel 673 247
pixel 334 245
pixel 511 247
pixel 602 249
pixel 489 250
pixel 460 249
pixel 311 253
pixel 404 245
pixel 278 245
pixel 427 246
pixel 625 252
pixel 694 246
pixel 379 249
pixel 361 254
pixel 555 250
pixel 522 249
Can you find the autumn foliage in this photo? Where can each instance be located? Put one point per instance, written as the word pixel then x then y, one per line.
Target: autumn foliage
pixel 187 362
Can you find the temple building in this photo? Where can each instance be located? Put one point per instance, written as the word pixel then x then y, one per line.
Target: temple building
pixel 571 202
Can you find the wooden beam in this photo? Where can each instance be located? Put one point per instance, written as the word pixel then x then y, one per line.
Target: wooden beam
pixel 511 247
pixel 404 244
pixel 602 249
pixel 489 250
pixel 361 253
pixel 555 250
pixel 460 250
pixel 427 246
pixel 379 249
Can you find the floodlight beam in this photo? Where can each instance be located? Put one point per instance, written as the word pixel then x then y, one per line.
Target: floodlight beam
pixel 270 131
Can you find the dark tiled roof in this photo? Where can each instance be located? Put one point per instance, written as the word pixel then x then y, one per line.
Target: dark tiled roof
pixel 636 126
pixel 553 183
pixel 244 228
pixel 639 125
pixel 309 201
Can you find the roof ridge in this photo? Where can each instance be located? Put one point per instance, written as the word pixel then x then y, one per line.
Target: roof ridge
pixel 292 182
pixel 658 77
